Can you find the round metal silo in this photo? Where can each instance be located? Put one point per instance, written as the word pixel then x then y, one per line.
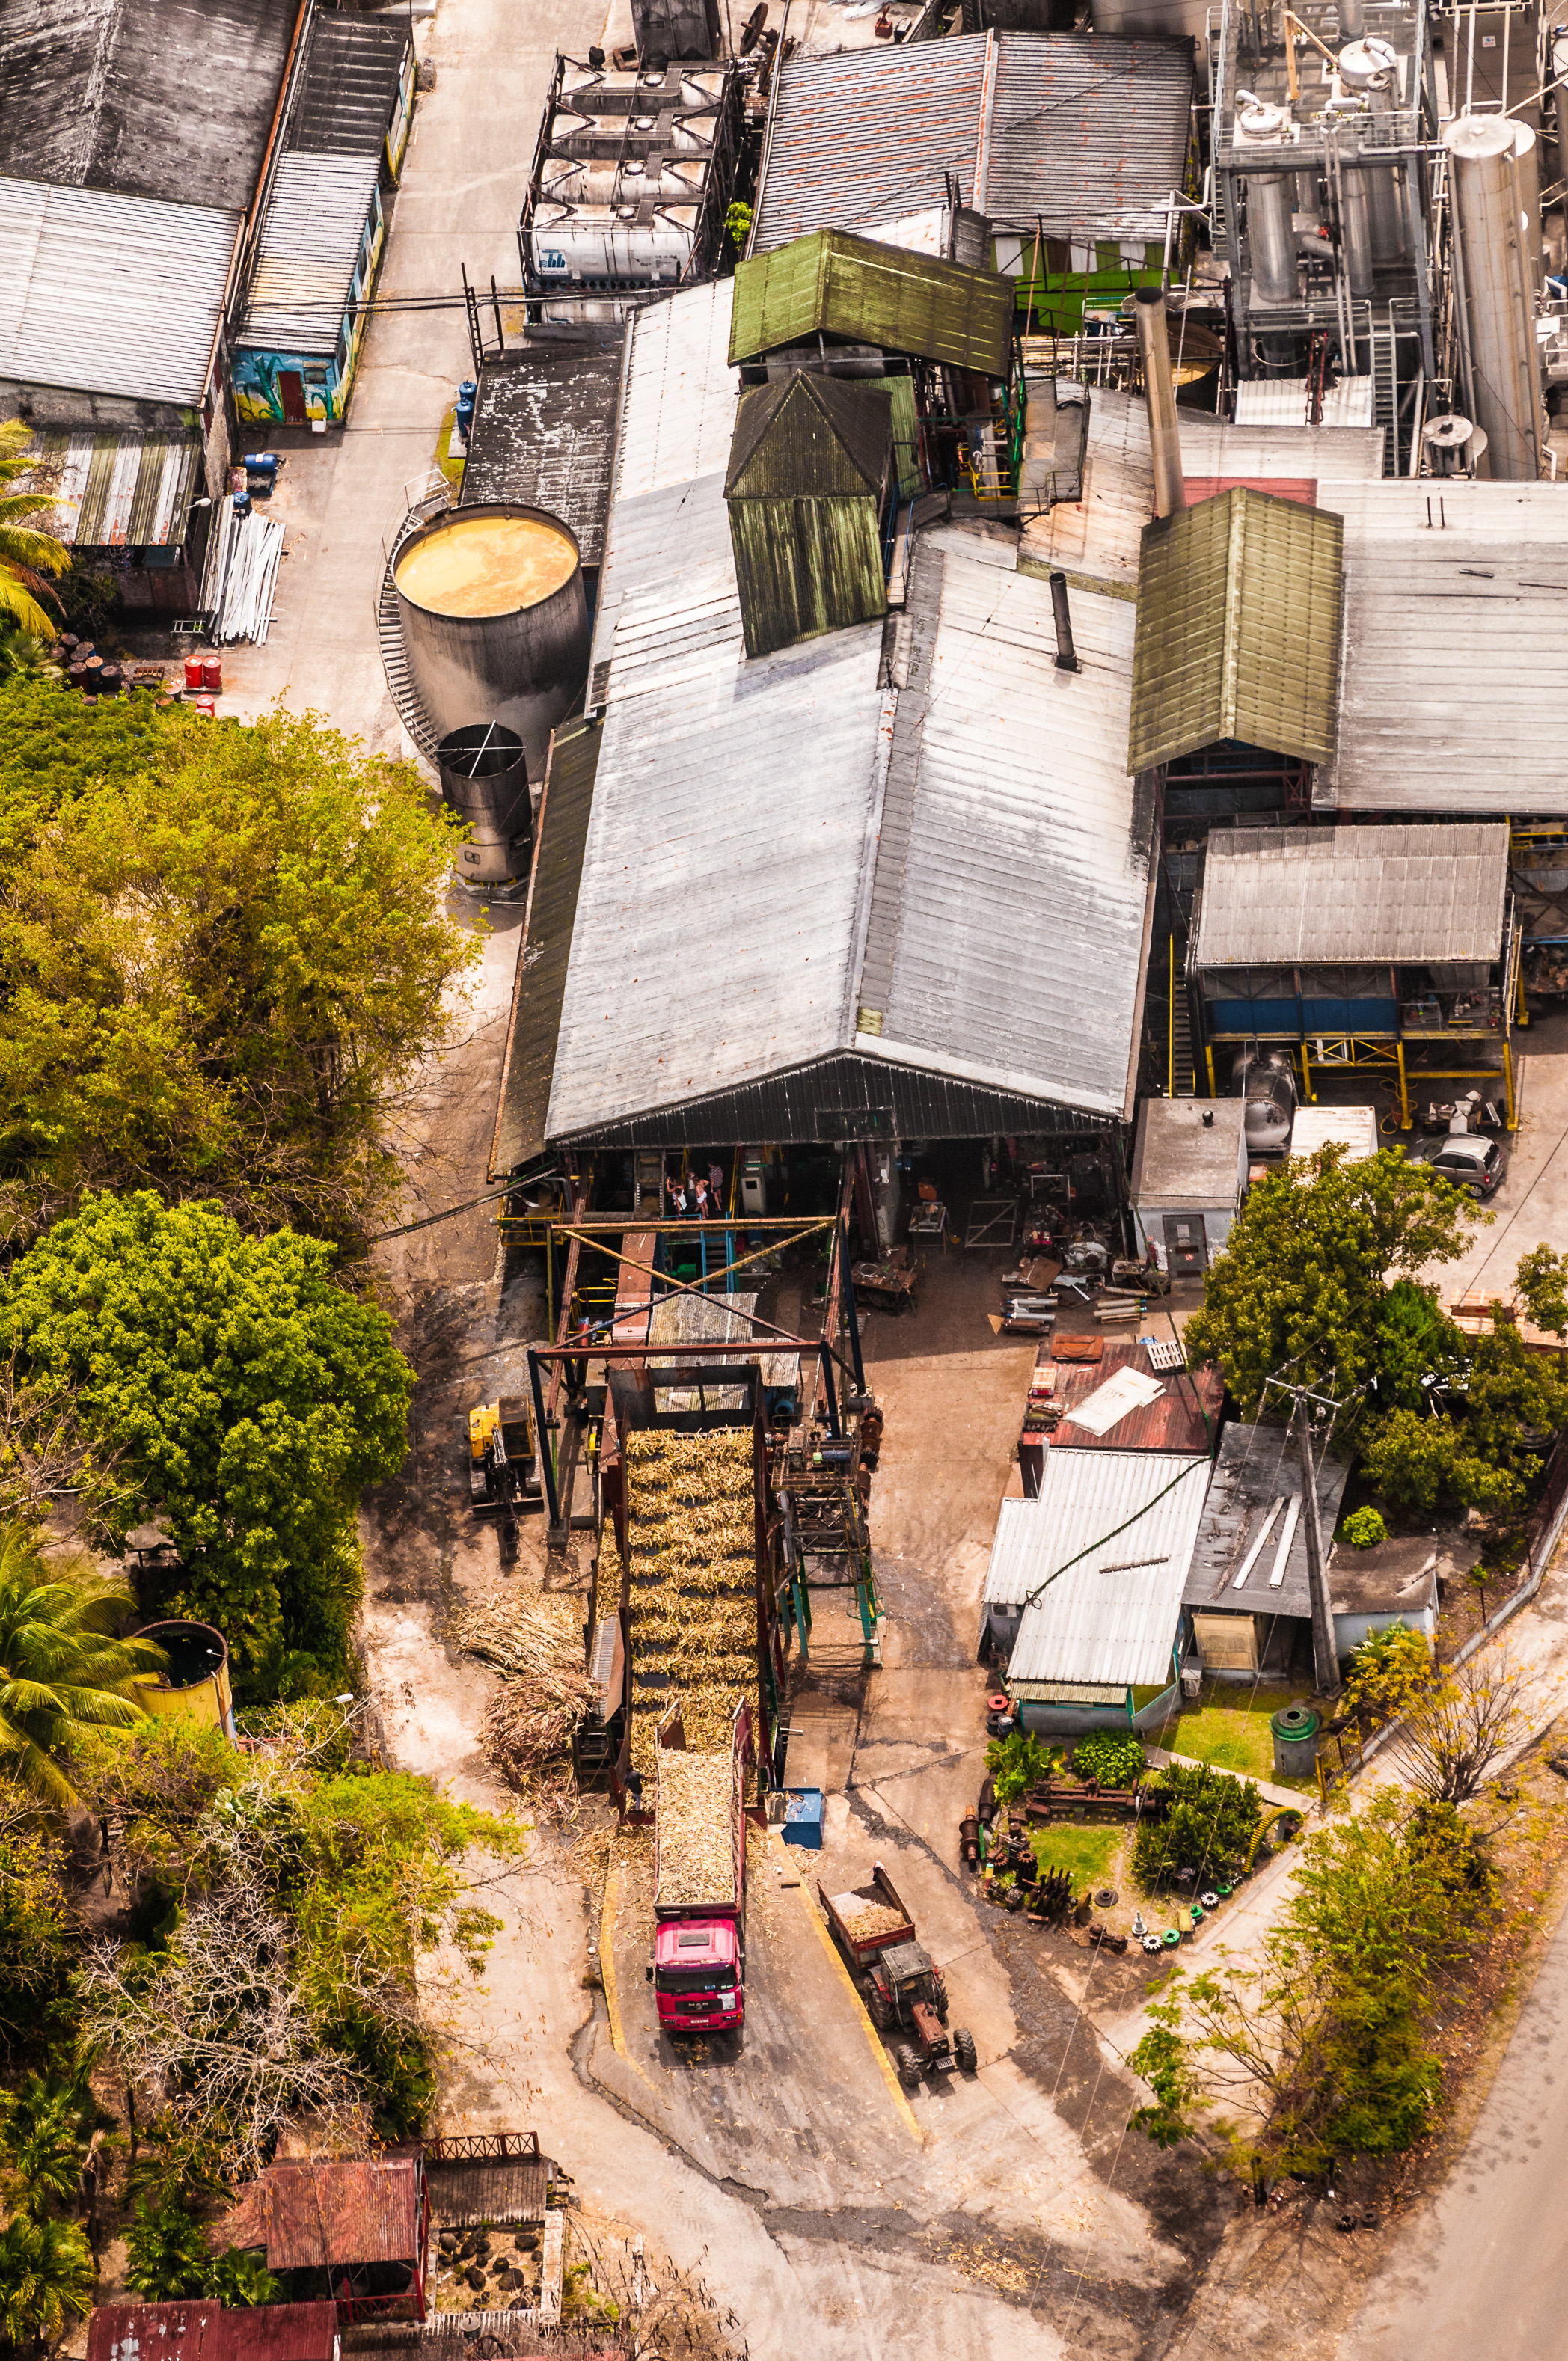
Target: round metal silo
pixel 495 620
pixel 1493 184
pixel 484 779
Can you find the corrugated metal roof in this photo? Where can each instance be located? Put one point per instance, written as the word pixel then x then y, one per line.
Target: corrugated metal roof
pixel 1189 1153
pixel 113 490
pixel 870 136
pixel 545 946
pixel 111 294
pixel 1101 536
pixel 1456 649
pixel 311 2216
pixel 1186 1417
pixel 1240 605
pixel 1088 134
pixel 203 2330
pixel 832 284
pixel 1257 1465
pixel 807 437
pixel 1351 1127
pixel 544 433
pixel 1328 895
pixel 1109 1620
pixel 1287 401
pixel 168 99
pixel 353 71
pixel 1006 937
pixel 307 254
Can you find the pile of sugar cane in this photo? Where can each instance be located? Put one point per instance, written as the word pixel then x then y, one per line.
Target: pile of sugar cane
pixel 535 1641
pixel 696 1838
pixel 876 1918
pixel 693 1589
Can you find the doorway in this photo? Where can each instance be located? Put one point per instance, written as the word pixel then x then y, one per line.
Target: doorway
pixel 1186 1246
pixel 292 388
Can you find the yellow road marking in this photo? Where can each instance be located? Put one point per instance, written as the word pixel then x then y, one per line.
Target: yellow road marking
pixel 873 2038
pixel 607 1963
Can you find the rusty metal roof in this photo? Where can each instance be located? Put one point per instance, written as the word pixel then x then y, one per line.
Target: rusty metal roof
pixel 1173 1422
pixel 205 2331
pixel 1257 1465
pixel 312 2216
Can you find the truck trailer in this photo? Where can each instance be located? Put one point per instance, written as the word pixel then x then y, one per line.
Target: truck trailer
pixel 698 1968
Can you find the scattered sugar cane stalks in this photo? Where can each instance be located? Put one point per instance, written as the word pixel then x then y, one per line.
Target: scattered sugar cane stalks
pixel 695 1833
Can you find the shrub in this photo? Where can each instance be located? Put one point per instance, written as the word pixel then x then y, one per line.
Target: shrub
pixel 1017 1764
pixel 1210 1821
pixel 1365 1529
pixel 1108 1759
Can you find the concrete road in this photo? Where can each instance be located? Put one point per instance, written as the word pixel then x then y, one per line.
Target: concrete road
pixel 1483 2269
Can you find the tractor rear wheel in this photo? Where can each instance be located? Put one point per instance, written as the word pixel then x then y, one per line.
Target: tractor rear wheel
pixel 908 2066
pixel 964 2049
pixel 878 2009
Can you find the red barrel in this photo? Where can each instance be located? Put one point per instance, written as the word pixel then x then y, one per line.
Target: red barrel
pixel 212 676
pixel 193 672
pixel 206 705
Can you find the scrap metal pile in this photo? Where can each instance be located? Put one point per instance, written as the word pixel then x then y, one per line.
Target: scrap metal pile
pixel 535 1643
pixel 692 1539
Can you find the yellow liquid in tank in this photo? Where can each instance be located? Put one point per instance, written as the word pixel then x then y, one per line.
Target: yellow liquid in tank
pixel 487 566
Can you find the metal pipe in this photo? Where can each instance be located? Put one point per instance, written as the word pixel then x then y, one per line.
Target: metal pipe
pixel 1066 657
pixel 1159 386
pixel 1355 228
pixel 1270 237
pixel 1490 193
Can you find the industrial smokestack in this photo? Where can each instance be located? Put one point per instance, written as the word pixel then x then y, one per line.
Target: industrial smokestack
pixel 1165 442
pixel 1067 658
pixel 1491 186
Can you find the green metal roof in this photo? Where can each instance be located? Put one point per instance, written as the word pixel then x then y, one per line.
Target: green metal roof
pixel 1241 601
pixel 810 437
pixel 834 285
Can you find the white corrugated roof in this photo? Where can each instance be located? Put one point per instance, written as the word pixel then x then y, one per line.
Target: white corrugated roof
pixel 1455 673
pixel 1287 401
pixel 307 254
pixel 1352 1127
pixel 1337 896
pixel 1101 533
pixel 113 490
pixel 111 294
pixel 1110 1618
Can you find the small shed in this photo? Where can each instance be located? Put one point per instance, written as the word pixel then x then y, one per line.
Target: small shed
pixel 1085 1586
pixel 1188 1173
pixel 1354 1128
pixel 808 488
pixel 357 2232
pixel 1371 1590
pixel 1249 1600
pixel 860 290
pixel 203 2330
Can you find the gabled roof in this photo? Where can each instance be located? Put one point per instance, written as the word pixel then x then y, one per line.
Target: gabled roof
pixel 1326 897
pixel 810 437
pixel 352 76
pixel 832 284
pixel 312 2216
pixel 1241 601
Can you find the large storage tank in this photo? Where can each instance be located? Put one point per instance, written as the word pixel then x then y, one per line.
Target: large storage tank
pixel 484 779
pixel 495 620
pixel 667 180
pixel 613 245
pixel 1494 188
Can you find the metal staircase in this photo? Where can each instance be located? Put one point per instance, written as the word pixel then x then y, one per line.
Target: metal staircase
pixel 1385 390
pixel 423 501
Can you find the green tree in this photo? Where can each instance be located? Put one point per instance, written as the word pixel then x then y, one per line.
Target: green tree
pixel 61 1670
pixel 1541 1283
pixel 251 1400
pixel 45 2270
pixel 37 1949
pixel 1385 1675
pixel 1486 1453
pixel 1208 1821
pixel 44 2127
pixel 223 960
pixel 1309 1266
pixel 25 556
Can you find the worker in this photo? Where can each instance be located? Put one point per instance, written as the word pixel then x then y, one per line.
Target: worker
pixel 677 1199
pixel 715 1187
pixel 700 1191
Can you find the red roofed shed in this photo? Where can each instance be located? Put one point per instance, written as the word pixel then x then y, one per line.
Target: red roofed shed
pixel 205 2331
pixel 360 2232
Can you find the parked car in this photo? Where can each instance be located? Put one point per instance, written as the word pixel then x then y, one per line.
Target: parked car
pixel 1470 1160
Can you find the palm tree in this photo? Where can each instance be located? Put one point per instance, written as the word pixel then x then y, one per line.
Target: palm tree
pixel 45 2267
pixel 43 2132
pixel 61 1670
pixel 26 557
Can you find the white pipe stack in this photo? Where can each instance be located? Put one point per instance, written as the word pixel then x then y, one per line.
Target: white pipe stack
pixel 1491 181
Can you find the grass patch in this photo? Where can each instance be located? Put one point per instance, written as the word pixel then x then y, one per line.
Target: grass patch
pixel 450 456
pixel 1232 1732
pixel 1088 1853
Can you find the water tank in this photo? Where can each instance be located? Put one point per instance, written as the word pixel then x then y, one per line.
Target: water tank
pixel 613 245
pixel 1493 188
pixel 495 620
pixel 484 779
pixel 195 1684
pixel 1294 1729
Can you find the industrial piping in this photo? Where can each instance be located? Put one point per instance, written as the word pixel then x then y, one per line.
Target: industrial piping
pixel 1491 182
pixel 1165 441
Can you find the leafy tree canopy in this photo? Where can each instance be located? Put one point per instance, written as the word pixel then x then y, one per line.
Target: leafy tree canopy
pixel 1310 1264
pixel 223 953
pixel 250 1401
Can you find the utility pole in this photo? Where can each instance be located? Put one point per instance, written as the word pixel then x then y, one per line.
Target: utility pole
pixel 1325 1657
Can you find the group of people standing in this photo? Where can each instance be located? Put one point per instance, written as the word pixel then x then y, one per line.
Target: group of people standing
pixel 695 1198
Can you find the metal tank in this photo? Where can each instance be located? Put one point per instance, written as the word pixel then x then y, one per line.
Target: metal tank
pixel 495 620
pixel 613 245
pixel 1490 187
pixel 667 180
pixel 484 779
pixel 1270 205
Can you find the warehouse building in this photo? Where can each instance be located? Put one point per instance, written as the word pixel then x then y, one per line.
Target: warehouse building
pixel 890 881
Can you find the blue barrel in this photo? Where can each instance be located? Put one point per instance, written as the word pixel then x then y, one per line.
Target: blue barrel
pixel 261 463
pixel 468 393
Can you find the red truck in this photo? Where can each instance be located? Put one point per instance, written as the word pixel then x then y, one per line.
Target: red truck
pixel 698 1968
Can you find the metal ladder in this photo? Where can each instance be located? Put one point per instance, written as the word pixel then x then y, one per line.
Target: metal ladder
pixel 423 502
pixel 1386 389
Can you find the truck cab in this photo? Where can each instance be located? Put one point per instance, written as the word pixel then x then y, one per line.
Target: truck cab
pixel 697 1974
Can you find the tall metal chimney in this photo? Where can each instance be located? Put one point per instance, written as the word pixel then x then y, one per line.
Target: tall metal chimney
pixel 1067 655
pixel 1491 188
pixel 1165 441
